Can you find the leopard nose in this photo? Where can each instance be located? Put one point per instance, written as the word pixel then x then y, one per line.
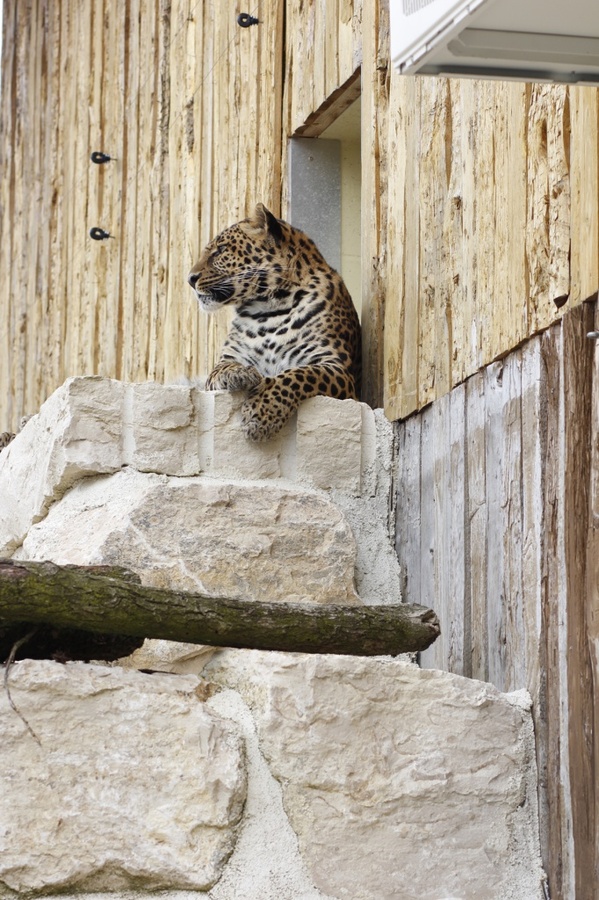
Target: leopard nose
pixel 192 278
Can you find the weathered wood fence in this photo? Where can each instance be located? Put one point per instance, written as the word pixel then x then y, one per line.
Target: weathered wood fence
pixel 498 529
pixel 480 200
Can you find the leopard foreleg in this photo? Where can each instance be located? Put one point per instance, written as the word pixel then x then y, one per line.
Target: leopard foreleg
pixel 272 402
pixel 229 375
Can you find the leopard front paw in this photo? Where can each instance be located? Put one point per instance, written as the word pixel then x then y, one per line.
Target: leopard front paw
pixel 232 376
pixel 264 414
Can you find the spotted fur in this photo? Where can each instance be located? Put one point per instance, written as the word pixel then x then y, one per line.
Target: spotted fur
pixel 295 333
pixel 6 437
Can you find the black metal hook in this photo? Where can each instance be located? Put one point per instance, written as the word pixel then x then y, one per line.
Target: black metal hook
pixel 245 20
pixel 98 157
pixel 98 234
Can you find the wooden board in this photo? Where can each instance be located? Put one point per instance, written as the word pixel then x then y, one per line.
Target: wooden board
pixel 495 486
pixel 480 199
pixel 505 178
pixel 162 88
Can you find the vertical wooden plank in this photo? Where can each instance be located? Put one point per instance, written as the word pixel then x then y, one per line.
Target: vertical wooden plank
pixel 332 26
pixel 191 39
pixel 54 275
pixel 346 41
pixel 458 607
pixel 94 254
pixel 272 147
pixel 83 254
pixel 443 540
pixel 107 181
pixel 461 228
pixel 176 347
pixel 133 319
pixel 548 228
pixel 511 514
pixel 577 375
pixel 161 302
pixel 483 149
pixel 204 124
pixel 8 412
pixel 537 232
pixel 560 217
pixel 504 523
pixel 441 477
pixel 592 604
pixel 433 346
pixel 154 105
pixel 408 512
pixel 17 265
pixel 569 839
pixel 448 519
pixel 534 401
pixel 433 658
pixel 584 160
pixel 510 315
pixel 553 826
pixel 34 356
pixel 477 493
pixel 401 348
pixel 374 196
pixel 495 589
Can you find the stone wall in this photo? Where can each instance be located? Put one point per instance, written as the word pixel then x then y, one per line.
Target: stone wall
pixel 120 453
pixel 235 774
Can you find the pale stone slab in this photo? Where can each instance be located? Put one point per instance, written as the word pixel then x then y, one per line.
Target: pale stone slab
pixel 329 452
pixel 223 539
pixel 399 782
pixel 77 432
pixel 233 455
pixel 161 434
pixel 129 782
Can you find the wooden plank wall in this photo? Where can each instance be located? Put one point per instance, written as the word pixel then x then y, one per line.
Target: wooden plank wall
pixel 323 50
pixel 480 199
pixel 189 104
pixel 496 532
pixel 493 212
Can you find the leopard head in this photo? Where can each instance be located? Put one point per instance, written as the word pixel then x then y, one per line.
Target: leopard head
pixel 248 261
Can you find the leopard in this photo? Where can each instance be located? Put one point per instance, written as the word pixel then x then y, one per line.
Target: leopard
pixel 295 332
pixel 7 437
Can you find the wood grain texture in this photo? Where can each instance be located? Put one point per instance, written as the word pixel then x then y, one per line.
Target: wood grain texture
pixel 113 602
pixel 165 89
pixel 497 527
pixel 480 200
pixel 504 177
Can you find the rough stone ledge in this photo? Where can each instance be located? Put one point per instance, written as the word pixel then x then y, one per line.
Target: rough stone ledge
pixel 247 541
pixel 124 780
pixel 94 426
pixel 367 779
pixel 100 424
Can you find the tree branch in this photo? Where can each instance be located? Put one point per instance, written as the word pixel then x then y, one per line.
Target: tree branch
pixel 111 601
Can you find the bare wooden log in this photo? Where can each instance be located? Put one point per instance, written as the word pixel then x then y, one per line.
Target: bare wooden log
pixel 111 601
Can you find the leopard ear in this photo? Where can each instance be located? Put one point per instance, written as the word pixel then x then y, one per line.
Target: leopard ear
pixel 265 220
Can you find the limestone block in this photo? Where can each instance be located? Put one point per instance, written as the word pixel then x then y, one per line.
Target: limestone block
pixel 329 452
pixel 398 782
pixel 233 455
pixel 161 434
pixel 223 539
pixel 128 781
pixel 77 432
